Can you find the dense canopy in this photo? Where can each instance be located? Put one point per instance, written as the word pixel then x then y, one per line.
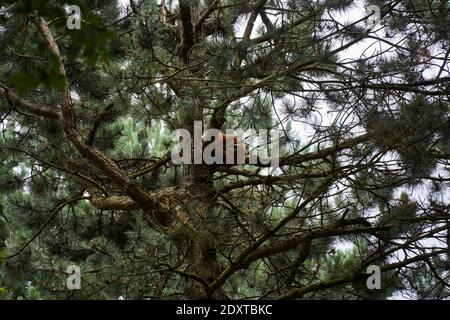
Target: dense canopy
pixel 358 90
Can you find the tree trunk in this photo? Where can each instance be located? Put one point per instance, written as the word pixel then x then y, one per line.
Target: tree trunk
pixel 201 259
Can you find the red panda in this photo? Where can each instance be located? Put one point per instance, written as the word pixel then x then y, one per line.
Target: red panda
pixel 231 143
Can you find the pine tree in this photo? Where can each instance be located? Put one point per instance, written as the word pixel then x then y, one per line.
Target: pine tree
pixel 87 123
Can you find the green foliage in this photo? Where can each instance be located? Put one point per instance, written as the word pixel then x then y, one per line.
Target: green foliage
pixel 332 204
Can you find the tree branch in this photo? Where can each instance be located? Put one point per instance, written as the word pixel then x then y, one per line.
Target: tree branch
pixel 323 285
pixel 188 30
pixel 204 16
pixel 27 105
pixel 98 158
pixel 346 144
pixel 55 211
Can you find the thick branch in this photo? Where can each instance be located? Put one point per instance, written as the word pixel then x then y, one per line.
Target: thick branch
pixel 26 105
pixel 188 30
pixel 95 156
pixel 113 202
